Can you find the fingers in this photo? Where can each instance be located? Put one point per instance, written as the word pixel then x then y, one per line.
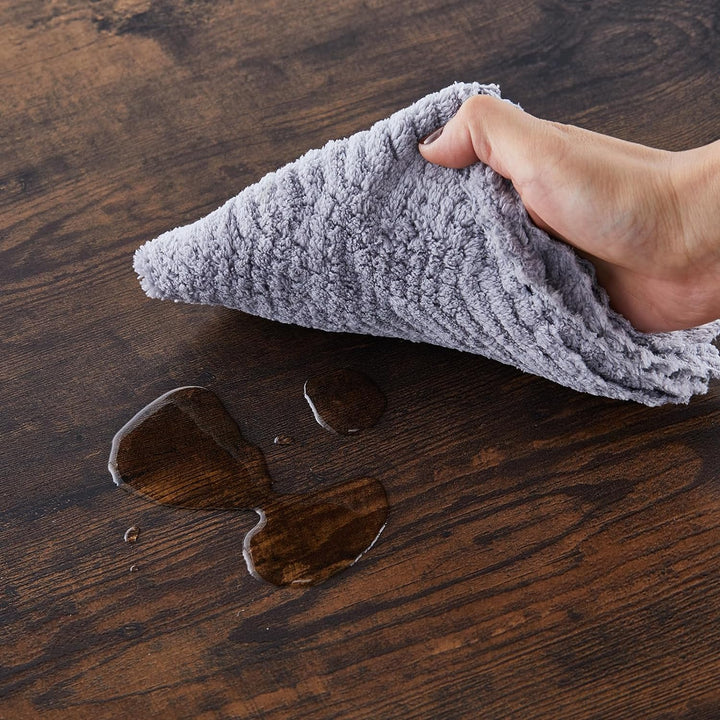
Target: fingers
pixel 495 132
pixel 451 145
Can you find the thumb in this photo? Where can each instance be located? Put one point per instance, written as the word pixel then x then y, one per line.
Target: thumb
pixel 493 131
pixel 520 147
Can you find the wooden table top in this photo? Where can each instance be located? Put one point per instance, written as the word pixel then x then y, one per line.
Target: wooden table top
pixel 547 554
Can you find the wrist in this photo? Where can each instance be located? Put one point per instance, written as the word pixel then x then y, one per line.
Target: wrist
pixel 696 180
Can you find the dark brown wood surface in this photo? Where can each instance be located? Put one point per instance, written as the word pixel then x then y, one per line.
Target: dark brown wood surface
pixel 547 554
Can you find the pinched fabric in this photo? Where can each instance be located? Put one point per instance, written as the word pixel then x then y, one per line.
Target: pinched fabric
pixel 365 236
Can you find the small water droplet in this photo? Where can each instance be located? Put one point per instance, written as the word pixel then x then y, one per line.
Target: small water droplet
pixel 134 568
pixel 131 534
pixel 283 440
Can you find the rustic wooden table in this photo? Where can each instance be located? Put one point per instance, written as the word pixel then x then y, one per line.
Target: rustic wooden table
pixel 547 554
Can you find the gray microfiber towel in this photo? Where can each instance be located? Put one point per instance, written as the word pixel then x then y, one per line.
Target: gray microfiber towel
pixel 365 236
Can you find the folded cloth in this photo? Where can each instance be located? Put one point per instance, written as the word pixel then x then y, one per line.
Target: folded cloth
pixel 365 236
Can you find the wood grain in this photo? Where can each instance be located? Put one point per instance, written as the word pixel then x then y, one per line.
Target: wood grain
pixel 547 554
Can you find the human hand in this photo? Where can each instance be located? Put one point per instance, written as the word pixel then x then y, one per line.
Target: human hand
pixel 648 219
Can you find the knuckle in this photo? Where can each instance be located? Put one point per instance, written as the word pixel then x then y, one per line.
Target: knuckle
pixel 477 104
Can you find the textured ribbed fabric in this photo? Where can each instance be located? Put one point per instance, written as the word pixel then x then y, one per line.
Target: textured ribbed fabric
pixel 363 235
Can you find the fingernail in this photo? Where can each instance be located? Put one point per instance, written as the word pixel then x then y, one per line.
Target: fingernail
pixel 432 137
